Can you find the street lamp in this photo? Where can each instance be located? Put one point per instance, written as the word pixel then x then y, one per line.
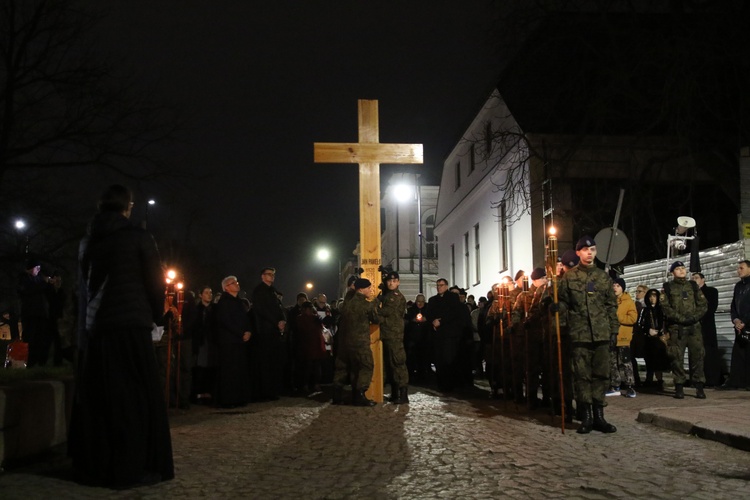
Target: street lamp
pixel 20 226
pixel 404 193
pixel 324 255
pixel 151 202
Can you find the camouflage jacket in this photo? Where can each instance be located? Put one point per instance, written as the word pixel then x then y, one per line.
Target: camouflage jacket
pixel 683 304
pixel 587 297
pixel 356 315
pixel 392 311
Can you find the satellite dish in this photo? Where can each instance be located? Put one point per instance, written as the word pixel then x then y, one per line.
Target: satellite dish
pixel 611 245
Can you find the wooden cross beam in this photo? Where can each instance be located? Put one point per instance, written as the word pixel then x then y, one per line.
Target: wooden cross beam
pixel 369 154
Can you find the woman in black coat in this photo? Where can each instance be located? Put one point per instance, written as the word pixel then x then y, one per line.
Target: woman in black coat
pixel 119 433
pixel 651 323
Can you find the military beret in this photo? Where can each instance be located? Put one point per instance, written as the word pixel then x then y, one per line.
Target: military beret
pixel 675 265
pixel 537 273
pixel 393 275
pixel 360 283
pixel 570 259
pixel 518 275
pixel 620 282
pixel 585 241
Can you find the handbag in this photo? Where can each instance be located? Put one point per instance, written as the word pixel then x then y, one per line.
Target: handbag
pixel 664 338
pixel 743 338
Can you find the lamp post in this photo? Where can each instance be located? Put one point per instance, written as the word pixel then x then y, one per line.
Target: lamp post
pixel 151 202
pixel 323 255
pixel 403 192
pixel 20 226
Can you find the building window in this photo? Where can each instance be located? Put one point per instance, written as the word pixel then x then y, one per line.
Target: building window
pixel 453 264
pixel 477 260
pixel 467 277
pixel 488 138
pixel 458 175
pixel 430 240
pixel 472 158
pixel 502 218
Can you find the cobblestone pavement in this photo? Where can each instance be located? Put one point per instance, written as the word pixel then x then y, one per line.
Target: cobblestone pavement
pixel 458 446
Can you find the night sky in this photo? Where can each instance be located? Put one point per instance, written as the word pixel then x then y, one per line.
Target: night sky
pixel 259 82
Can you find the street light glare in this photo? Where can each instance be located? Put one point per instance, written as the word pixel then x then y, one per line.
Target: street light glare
pixel 403 192
pixel 324 254
pixel 152 202
pixel 309 286
pixel 20 224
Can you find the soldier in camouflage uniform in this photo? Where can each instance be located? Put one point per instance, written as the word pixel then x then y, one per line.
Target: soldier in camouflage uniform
pixel 684 305
pixel 528 318
pixel 355 356
pixel 586 296
pixel 392 310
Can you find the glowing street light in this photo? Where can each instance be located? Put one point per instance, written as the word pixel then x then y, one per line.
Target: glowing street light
pixel 309 286
pixel 324 254
pixel 20 224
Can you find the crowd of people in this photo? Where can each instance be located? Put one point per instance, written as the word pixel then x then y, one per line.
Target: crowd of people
pixel 564 341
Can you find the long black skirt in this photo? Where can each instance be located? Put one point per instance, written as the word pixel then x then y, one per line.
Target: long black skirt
pixel 119 432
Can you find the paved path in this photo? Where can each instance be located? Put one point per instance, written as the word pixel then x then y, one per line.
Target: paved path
pixel 453 447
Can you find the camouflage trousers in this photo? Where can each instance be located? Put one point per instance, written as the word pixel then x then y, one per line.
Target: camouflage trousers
pixel 394 359
pixel 354 362
pixel 590 367
pixel 621 367
pixel 552 362
pixel 676 346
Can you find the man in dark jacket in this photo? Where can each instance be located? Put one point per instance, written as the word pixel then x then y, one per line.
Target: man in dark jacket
pixel 739 373
pixel 232 334
pixel 267 350
pixel 447 315
pixel 712 364
pixel 119 433
pixel 684 305
pixel 34 290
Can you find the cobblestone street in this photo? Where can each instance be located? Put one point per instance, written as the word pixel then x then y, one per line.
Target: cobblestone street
pixel 465 446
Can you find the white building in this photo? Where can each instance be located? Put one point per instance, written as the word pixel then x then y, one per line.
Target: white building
pixel 482 239
pixel 400 240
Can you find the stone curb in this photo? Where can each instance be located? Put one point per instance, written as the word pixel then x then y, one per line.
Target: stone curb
pixel 698 422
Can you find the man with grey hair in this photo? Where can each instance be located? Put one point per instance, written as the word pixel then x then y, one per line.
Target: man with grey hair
pixel 232 334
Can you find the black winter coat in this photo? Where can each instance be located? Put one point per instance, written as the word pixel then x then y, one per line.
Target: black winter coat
pixel 121 280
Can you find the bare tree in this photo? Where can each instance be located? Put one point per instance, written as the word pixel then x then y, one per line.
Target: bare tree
pixel 60 105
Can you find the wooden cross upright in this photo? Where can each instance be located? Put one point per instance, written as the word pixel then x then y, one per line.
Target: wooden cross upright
pixel 369 154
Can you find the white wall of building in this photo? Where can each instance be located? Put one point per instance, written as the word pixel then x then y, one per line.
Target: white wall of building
pixel 465 212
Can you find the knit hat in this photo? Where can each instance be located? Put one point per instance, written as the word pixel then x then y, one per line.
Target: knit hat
pixel 620 282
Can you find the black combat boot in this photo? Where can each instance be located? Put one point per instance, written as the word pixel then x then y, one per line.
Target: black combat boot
pixel 699 393
pixel 679 393
pixel 587 418
pixel 359 398
pixel 403 395
pixel 600 424
pixel 394 394
pixel 338 395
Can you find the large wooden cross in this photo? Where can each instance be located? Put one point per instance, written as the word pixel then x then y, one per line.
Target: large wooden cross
pixel 369 154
